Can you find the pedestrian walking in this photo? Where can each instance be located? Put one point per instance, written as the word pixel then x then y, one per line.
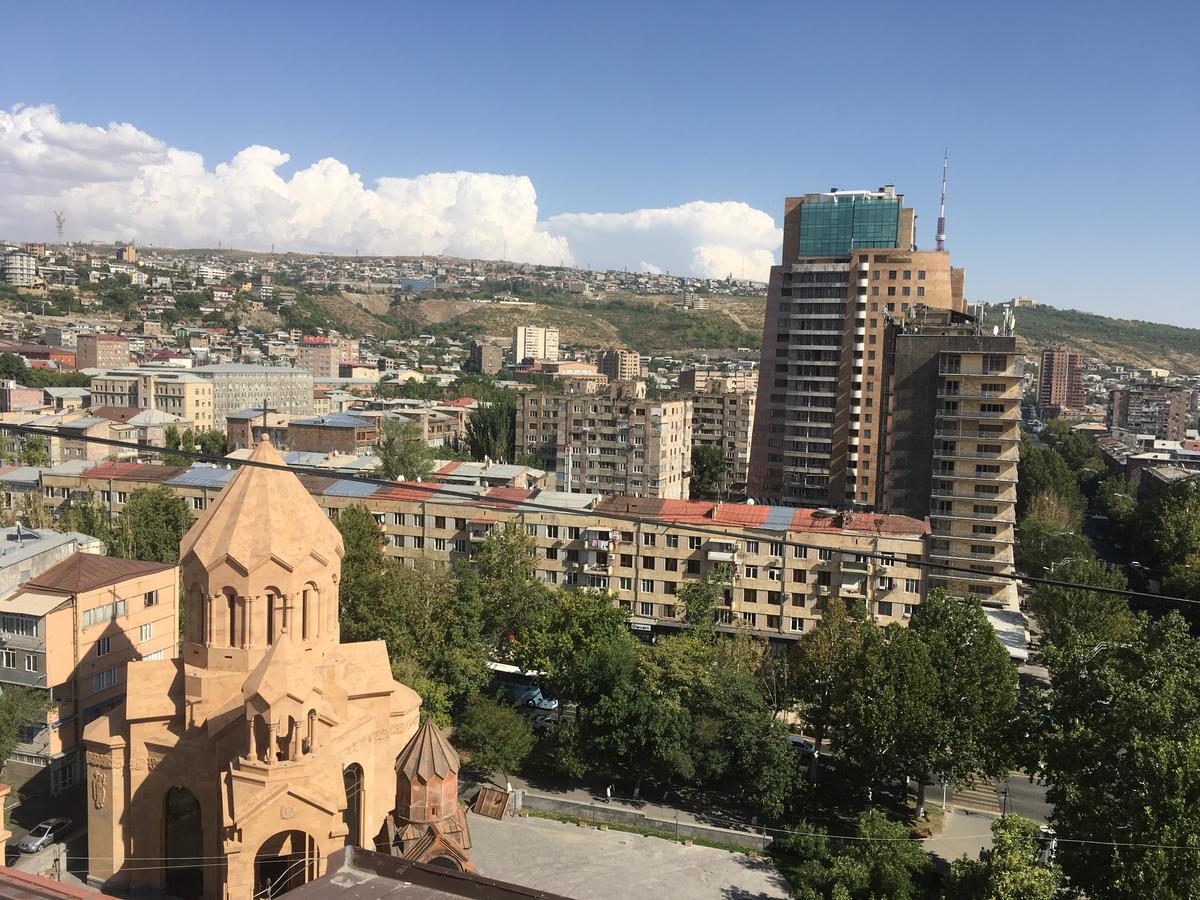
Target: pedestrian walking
pixel 608 794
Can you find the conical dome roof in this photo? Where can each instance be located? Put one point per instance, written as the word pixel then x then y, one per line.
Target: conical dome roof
pixel 262 513
pixel 428 755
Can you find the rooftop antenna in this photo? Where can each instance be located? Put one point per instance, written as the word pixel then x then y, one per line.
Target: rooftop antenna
pixel 941 229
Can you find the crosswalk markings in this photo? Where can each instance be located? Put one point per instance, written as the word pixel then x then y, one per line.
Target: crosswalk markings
pixel 980 798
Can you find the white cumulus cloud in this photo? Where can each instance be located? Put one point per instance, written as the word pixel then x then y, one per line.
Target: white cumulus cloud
pixel 117 182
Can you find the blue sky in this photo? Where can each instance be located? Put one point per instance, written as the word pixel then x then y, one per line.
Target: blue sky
pixel 1072 127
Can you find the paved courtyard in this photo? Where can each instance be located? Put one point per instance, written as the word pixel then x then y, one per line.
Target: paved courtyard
pixel 588 864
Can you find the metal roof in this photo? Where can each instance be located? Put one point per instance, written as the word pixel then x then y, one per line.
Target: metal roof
pixel 348 488
pixel 203 476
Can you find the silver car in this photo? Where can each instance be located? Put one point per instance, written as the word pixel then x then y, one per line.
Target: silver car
pixel 43 835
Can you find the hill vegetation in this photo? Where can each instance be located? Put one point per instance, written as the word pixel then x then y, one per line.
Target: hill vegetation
pixel 1118 341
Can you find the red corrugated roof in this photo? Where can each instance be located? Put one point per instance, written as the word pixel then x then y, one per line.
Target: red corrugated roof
pixel 131 471
pixel 448 467
pixel 461 401
pixel 741 514
pixel 413 490
pixel 504 497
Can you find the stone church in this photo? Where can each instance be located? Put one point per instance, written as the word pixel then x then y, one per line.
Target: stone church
pixel 237 769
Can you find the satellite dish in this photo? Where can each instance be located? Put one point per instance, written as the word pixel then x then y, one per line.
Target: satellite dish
pixel 995 330
pixel 750 501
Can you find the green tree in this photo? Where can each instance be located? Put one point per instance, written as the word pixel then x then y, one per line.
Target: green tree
pixel 1168 530
pixel 885 862
pixel 503 583
pixel 822 663
pixel 150 526
pixel 976 690
pixel 496 735
pixel 1043 471
pixel 1122 760
pixel 403 452
pixel 19 707
pixel 1011 870
pixel 700 598
pixel 36 451
pixel 708 471
pixel 1115 500
pixel 86 515
pixel 1063 611
pixel 491 429
pixel 1043 545
pixel 211 441
pixel 890 722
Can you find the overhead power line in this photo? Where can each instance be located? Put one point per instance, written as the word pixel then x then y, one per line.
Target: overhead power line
pixel 444 495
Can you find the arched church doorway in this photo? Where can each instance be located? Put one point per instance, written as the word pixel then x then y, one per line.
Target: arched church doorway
pixel 284 862
pixel 184 844
pixel 352 779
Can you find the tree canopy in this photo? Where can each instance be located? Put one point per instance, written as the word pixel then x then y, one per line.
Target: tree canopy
pixel 403 451
pixel 150 526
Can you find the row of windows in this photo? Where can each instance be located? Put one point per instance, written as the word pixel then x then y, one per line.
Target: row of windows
pixel 8 660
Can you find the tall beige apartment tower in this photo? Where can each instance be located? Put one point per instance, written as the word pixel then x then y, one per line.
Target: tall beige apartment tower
pixel 534 342
pixel 953 442
pixel 850 268
pixel 1060 382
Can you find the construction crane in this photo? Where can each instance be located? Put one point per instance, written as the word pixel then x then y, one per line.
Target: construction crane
pixel 941 229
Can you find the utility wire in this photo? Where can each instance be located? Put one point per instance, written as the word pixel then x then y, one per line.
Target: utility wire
pixel 445 492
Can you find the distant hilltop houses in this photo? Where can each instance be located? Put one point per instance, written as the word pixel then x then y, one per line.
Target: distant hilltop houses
pixel 33 265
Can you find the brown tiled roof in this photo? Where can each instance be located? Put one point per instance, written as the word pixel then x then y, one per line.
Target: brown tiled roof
pixel 87 571
pixel 117 413
pixel 132 471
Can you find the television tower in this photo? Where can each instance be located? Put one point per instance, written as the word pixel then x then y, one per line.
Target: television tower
pixel 941 229
pixel 60 220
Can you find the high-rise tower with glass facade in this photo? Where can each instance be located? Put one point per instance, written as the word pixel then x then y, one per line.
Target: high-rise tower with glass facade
pixel 850 267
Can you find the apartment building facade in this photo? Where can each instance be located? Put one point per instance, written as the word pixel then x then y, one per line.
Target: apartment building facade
pixel 19 270
pixel 723 417
pixel 1150 408
pixel 619 364
pixel 70 631
pixel 609 439
pixel 485 358
pixel 101 351
pixel 784 564
pixel 953 449
pixel 534 342
pixel 240 386
pixel 697 379
pixel 849 268
pixel 318 358
pixel 179 393
pixel 1060 382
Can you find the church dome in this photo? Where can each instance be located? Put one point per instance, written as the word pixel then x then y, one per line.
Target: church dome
pixel 262 514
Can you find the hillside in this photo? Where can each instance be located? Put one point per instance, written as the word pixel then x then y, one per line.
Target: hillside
pixel 1121 341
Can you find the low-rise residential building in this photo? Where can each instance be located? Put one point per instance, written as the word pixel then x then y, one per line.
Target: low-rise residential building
pixel 239 386
pixel 180 393
pixel 28 552
pixel 609 439
pixel 784 563
pixel 69 631
pixel 336 433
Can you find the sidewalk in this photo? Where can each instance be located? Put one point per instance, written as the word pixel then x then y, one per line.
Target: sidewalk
pixel 586 797
pixel 964 833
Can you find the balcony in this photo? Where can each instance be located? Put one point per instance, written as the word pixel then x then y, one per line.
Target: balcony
pixel 853 562
pixel 598 568
pixel 955 413
pixel 722 551
pixel 990 373
pixel 856 587
pixel 997 518
pixel 1003 456
pixel 1012 435
pixel 958 393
